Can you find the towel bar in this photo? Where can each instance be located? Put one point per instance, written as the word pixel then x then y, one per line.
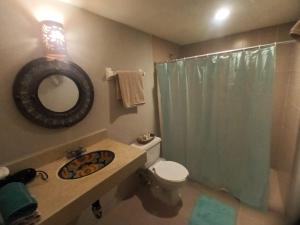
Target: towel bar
pixel 110 74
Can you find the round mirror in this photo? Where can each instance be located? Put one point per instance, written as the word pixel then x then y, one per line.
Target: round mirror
pixel 58 93
pixel 53 93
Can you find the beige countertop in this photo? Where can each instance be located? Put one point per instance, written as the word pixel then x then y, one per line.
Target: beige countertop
pixel 60 201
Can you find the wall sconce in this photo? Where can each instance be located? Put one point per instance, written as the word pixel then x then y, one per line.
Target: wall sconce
pixel 53 36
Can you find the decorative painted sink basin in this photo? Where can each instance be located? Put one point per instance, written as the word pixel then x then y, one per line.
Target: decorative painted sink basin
pixel 86 164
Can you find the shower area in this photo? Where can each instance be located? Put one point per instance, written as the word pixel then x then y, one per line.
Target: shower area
pixel 232 118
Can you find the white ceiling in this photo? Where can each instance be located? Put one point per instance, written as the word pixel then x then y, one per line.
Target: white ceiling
pixel 189 21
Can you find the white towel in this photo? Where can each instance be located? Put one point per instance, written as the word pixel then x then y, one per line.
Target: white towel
pixel 130 88
pixel 31 219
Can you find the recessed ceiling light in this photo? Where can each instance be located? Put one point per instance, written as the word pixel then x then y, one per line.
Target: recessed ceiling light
pixel 222 14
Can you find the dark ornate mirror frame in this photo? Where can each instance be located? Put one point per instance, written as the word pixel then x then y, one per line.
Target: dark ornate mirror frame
pixel 25 92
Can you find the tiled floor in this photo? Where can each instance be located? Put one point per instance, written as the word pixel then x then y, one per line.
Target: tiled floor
pixel 143 209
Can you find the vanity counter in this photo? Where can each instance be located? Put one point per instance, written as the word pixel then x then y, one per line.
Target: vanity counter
pixel 60 201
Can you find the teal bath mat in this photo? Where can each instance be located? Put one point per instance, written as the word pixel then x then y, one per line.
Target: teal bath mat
pixel 209 211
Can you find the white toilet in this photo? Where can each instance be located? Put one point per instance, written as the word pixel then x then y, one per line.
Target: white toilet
pixel 168 176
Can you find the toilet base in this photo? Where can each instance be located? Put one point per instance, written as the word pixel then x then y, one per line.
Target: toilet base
pixel 168 197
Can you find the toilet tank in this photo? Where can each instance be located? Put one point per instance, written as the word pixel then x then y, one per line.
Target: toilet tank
pixel 152 149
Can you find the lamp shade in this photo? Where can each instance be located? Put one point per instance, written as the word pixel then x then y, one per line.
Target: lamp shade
pixel 53 37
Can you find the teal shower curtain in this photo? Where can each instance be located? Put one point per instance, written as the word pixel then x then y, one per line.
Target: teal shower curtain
pixel 216 119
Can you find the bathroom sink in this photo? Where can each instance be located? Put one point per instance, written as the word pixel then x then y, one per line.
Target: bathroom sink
pixel 86 164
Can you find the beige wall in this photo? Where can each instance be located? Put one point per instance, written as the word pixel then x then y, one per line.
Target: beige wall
pixel 246 39
pixel 286 92
pixel 93 43
pixel 288 160
pixel 164 50
pixel 286 115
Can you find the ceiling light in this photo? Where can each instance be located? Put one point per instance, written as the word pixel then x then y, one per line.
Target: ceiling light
pixel 222 14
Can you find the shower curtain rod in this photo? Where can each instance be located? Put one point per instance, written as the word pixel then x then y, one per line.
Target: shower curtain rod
pixel 228 51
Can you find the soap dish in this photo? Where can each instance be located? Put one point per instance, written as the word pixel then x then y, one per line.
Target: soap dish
pixel 145 139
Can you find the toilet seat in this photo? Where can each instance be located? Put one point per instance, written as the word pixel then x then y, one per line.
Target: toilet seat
pixel 170 171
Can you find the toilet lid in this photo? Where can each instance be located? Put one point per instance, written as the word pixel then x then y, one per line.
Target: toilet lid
pixel 171 171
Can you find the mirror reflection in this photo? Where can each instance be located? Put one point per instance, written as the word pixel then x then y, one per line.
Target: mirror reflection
pixel 58 93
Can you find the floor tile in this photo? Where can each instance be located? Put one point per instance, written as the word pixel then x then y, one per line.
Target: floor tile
pixel 144 209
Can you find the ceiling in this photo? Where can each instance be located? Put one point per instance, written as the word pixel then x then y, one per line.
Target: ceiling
pixel 189 21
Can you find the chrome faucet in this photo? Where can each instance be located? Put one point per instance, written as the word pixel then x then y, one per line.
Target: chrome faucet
pixel 75 152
